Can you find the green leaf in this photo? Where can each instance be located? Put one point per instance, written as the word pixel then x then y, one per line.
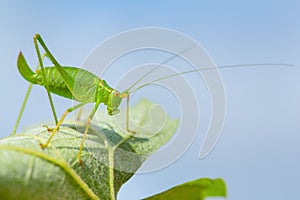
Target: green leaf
pixel 194 190
pixel 109 157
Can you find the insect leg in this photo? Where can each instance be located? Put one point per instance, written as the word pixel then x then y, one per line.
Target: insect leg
pixel 79 114
pixel 86 131
pixel 60 122
pixel 67 78
pixel 22 109
pixel 45 79
pixel 131 132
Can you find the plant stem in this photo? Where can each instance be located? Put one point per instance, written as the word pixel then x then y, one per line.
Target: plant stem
pixel 111 163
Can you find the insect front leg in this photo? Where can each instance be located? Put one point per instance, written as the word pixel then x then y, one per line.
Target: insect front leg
pixel 86 131
pixel 131 132
pixel 60 122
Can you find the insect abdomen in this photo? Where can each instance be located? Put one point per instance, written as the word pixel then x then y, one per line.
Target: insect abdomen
pixel 82 88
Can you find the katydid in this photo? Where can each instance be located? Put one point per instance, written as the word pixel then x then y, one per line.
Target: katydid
pixel 60 80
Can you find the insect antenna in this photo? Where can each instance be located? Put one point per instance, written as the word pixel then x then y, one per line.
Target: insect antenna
pixel 209 68
pixel 161 64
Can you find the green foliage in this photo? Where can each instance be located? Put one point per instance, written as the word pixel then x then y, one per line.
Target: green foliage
pixel 110 158
pixel 194 190
pixel 29 172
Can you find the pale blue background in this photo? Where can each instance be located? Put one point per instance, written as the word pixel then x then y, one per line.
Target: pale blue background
pixel 258 153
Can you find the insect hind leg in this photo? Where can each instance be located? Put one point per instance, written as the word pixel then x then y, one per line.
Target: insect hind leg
pixel 41 65
pixel 22 109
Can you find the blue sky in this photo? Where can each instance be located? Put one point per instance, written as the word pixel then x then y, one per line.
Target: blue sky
pixel 258 153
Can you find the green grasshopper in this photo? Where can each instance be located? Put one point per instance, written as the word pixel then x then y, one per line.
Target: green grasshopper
pixel 60 80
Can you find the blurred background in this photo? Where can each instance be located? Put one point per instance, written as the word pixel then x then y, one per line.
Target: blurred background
pixel 258 152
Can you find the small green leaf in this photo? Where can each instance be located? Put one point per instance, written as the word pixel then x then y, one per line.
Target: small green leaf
pixel 109 157
pixel 194 190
